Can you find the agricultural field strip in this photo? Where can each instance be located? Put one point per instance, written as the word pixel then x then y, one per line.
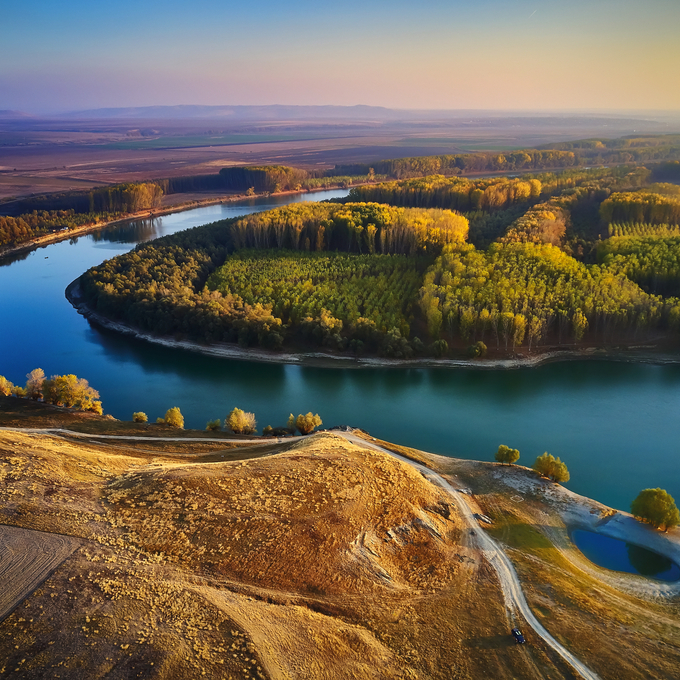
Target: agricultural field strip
pixel 27 558
pixel 510 585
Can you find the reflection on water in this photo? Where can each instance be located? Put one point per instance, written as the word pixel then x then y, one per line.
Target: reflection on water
pixel 617 555
pixel 139 231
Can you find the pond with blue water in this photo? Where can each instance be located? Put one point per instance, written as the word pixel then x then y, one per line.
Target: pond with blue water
pixel 618 555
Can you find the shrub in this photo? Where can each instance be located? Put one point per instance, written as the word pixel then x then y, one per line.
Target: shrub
pixel 657 507
pixel 174 417
pixel 268 431
pixel 477 350
pixel 6 387
pixel 240 422
pixel 307 423
pixel 506 455
pixel 139 417
pixel 549 466
pixel 213 425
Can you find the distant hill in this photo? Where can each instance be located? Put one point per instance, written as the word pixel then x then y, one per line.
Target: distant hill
pixel 271 112
pixel 8 114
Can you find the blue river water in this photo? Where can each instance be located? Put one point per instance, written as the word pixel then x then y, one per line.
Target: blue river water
pixel 616 425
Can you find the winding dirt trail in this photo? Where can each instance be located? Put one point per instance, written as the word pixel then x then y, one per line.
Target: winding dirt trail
pixel 27 558
pixel 511 587
pixel 513 595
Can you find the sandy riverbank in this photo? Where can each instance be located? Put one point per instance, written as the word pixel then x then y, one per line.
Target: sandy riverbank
pixel 639 354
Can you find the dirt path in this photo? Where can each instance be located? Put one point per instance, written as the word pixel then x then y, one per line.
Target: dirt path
pixel 58 431
pixel 515 601
pixel 27 558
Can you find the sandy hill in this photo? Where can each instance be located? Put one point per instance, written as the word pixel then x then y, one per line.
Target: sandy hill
pixel 319 558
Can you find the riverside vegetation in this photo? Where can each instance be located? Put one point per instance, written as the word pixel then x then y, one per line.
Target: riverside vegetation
pixel 430 266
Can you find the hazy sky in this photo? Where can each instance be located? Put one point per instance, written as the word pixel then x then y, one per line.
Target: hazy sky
pixel 60 55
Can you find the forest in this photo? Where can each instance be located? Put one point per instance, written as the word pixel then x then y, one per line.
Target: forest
pixel 402 281
pixel 71 210
pixel 627 150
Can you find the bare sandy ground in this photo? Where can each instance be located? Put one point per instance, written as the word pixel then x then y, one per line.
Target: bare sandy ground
pixel 27 558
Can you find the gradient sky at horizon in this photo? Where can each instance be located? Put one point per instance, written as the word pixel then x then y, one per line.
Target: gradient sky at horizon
pixel 62 55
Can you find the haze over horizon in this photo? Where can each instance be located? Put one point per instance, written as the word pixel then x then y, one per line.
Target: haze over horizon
pixel 520 55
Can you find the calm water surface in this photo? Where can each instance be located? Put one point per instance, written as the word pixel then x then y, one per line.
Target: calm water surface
pixel 617 425
pixel 617 555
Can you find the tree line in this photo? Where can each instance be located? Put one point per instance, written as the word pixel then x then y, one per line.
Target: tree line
pixel 60 390
pixel 15 230
pixel 351 227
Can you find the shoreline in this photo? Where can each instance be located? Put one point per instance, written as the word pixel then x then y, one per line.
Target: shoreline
pixel 57 236
pixel 634 354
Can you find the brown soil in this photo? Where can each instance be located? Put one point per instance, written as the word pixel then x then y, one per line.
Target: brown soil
pixel 310 559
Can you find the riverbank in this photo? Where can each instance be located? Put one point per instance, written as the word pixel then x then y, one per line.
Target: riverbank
pixel 633 353
pixel 167 209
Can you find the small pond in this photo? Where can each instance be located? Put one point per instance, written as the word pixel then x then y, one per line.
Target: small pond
pixel 617 555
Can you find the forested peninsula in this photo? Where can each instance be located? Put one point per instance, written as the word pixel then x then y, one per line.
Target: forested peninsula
pixel 440 267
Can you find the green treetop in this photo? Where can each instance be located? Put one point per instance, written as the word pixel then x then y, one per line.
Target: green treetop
pixel 657 507
pixel 506 455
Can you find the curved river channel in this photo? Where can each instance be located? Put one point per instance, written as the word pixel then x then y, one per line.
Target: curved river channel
pixel 617 425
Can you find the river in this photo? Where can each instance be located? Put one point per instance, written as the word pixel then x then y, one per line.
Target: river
pixel 616 425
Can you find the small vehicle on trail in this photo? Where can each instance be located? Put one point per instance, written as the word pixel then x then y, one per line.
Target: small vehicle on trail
pixel 517 634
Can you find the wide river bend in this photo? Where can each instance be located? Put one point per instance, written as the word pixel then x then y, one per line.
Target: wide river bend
pixel 617 425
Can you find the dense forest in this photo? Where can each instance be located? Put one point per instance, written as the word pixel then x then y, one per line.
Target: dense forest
pixel 553 268
pixel 39 223
pixel 71 210
pixel 350 227
pixel 549 157
pixel 524 293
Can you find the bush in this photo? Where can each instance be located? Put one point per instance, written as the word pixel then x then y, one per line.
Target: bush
pixel 174 418
pixel 213 425
pixel 477 350
pixel 240 422
pixel 160 421
pixel 6 387
pixel 139 417
pixel 268 431
pixel 657 507
pixel 506 455
pixel 549 466
pixel 307 423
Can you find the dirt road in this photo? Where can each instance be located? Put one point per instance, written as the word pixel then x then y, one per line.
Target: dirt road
pixel 515 601
pixel 27 558
pixel 513 595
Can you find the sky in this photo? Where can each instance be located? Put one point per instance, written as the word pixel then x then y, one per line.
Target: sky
pixel 64 55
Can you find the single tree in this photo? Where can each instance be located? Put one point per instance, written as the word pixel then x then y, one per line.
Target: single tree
pixel 507 455
pixel 657 507
pixel 6 387
pixel 139 417
pixel 308 423
pixel 268 431
pixel 213 425
pixel 174 417
pixel 549 466
pixel 34 383
pixel 291 424
pixel 241 422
